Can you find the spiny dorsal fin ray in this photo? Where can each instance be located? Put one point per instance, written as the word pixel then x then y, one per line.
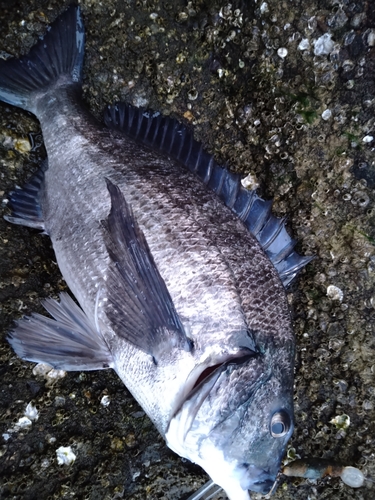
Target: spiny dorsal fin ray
pixel 138 302
pixel 174 139
pixel 68 342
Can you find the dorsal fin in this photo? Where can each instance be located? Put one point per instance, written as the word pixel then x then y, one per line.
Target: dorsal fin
pixel 172 138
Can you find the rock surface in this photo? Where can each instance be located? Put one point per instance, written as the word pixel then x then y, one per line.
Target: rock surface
pixel 282 90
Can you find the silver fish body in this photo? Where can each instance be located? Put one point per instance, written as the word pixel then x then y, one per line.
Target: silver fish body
pixel 177 295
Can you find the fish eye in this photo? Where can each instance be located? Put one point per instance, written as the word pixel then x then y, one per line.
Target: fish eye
pixel 280 424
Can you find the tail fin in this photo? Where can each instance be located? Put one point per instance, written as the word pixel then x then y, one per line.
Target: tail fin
pixel 58 54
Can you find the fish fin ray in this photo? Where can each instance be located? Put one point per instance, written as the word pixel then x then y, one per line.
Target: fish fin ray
pixel 69 341
pixel 291 266
pixel 25 202
pixel 175 140
pixel 59 52
pixel 138 303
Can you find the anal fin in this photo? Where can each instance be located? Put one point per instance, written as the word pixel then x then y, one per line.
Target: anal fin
pixel 25 202
pixel 68 342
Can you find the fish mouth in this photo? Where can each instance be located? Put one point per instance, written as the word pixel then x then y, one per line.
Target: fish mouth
pixel 263 483
pixel 201 384
pixel 212 370
pixel 258 480
pixel 263 487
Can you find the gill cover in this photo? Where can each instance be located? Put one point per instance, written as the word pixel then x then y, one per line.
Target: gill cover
pixel 240 431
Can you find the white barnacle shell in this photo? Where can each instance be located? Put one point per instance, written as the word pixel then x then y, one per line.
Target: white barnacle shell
pixel 335 293
pixel 65 455
pixel 323 45
pixel 31 412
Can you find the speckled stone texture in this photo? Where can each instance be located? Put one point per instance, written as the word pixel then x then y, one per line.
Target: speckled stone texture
pixel 267 94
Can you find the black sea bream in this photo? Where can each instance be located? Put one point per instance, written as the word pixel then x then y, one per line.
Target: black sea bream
pixel 178 270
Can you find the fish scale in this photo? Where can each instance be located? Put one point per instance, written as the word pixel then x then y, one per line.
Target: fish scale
pixel 204 295
pixel 162 249
pixel 194 233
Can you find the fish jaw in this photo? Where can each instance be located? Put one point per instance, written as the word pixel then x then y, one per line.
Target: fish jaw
pixel 226 426
pixel 219 470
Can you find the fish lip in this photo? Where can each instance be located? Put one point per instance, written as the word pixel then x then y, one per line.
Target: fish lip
pixel 262 487
pixel 216 369
pixel 204 386
pixel 258 479
pixel 231 359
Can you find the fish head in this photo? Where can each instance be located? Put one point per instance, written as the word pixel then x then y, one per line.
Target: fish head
pixel 237 422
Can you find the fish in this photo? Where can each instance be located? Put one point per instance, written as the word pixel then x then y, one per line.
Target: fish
pixel 178 271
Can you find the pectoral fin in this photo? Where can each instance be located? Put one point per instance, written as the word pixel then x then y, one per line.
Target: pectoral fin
pixel 139 305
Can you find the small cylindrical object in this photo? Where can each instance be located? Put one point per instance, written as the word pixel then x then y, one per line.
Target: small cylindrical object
pixel 316 468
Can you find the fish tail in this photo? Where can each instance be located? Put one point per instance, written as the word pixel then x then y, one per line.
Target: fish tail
pixel 56 59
